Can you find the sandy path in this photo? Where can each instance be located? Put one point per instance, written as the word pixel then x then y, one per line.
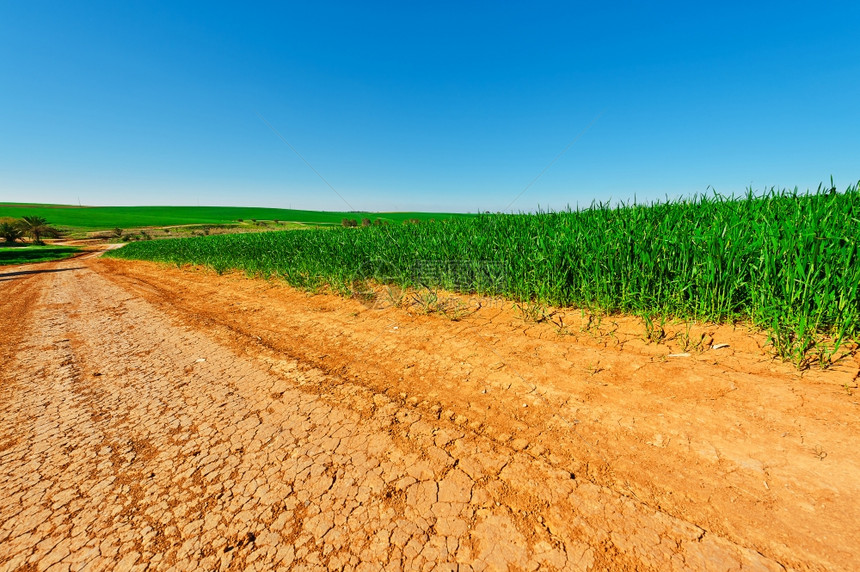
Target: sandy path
pixel 132 440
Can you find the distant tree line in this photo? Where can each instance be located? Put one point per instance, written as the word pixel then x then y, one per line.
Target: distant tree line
pixel 351 222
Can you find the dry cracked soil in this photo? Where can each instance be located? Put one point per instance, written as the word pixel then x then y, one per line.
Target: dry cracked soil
pixel 155 418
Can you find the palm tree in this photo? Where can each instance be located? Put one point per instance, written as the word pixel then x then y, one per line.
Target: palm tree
pixel 36 227
pixel 9 232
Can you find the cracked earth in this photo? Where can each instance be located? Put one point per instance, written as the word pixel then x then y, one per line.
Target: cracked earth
pixel 153 418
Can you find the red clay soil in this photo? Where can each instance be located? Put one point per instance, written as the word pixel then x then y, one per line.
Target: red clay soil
pixel 155 417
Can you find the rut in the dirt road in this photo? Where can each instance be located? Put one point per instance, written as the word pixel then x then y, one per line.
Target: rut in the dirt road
pixel 128 439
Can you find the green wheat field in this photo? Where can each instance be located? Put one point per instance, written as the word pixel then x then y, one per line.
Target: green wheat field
pixel 783 261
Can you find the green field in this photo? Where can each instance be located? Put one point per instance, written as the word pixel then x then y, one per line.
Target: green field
pixel 785 261
pixel 27 254
pixel 101 218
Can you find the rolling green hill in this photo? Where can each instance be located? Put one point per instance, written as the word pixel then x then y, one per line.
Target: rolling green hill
pixel 98 218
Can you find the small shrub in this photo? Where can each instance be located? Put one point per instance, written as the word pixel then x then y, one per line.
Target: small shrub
pixel 10 232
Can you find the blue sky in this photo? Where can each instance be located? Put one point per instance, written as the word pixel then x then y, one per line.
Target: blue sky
pixel 443 106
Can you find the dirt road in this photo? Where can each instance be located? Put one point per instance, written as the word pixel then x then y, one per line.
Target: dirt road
pixel 154 418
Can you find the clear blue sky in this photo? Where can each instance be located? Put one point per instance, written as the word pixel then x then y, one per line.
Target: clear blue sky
pixel 445 106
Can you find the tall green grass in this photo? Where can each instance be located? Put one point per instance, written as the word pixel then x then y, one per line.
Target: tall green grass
pixel 785 261
pixel 29 254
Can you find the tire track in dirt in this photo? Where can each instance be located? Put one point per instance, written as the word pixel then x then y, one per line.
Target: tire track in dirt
pixel 136 441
